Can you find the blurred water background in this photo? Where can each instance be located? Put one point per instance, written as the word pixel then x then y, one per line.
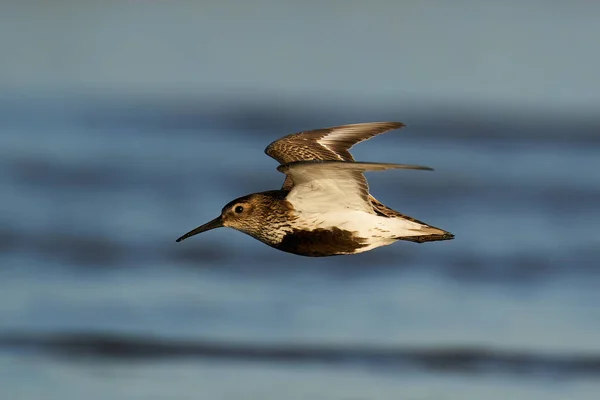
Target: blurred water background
pixel 125 124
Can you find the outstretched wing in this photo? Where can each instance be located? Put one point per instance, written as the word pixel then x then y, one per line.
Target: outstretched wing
pixel 327 144
pixel 332 185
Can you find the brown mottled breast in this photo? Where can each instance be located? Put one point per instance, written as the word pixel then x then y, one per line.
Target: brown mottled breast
pixel 320 242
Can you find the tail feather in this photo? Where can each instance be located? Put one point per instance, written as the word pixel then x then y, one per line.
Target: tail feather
pixel 421 233
pixel 428 237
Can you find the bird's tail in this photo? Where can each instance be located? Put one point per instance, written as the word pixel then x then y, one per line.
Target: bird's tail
pixel 413 230
pixel 409 228
pixel 426 233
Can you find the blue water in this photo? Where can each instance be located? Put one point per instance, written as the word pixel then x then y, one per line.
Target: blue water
pixel 98 301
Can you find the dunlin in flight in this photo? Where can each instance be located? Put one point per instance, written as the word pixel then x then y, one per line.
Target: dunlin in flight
pixel 324 207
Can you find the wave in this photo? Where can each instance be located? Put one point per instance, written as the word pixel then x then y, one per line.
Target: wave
pixel 266 115
pixel 469 360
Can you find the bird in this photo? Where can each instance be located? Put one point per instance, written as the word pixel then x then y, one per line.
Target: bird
pixel 324 207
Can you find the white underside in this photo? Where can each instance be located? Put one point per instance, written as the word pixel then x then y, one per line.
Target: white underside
pixel 375 230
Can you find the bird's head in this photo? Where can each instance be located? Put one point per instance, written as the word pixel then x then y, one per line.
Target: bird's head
pixel 247 214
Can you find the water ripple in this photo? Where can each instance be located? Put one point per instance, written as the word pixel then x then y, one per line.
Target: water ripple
pixel 469 360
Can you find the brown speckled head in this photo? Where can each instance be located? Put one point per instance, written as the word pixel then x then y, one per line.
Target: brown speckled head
pixel 260 215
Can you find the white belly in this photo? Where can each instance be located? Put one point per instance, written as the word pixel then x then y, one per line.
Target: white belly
pixel 372 229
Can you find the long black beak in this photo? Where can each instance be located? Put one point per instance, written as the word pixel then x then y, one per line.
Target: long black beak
pixel 215 223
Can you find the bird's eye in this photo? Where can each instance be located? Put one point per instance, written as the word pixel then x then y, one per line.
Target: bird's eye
pixel 239 209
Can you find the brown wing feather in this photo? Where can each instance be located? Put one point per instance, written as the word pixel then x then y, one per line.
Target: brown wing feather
pixel 309 145
pixel 327 144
